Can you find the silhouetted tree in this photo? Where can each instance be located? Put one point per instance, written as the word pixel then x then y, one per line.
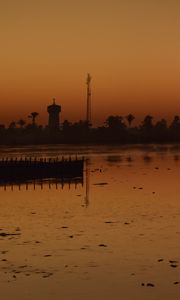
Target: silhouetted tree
pixel 175 123
pixel 21 123
pixel 130 118
pixel 66 126
pixel 12 125
pixel 147 123
pixel 161 131
pixel 161 125
pixel 174 128
pixel 80 126
pixel 33 116
pixel 2 127
pixel 115 122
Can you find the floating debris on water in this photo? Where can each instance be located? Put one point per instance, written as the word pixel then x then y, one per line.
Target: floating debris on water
pixel 150 284
pixel 160 260
pixel 173 266
pixel 4 234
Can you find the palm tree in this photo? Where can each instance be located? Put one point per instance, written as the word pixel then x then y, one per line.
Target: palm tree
pixel 130 119
pixel 33 116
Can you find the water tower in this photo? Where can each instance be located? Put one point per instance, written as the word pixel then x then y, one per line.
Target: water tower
pixel 54 120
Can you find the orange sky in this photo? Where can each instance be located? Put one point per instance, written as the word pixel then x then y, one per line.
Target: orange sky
pixel 131 48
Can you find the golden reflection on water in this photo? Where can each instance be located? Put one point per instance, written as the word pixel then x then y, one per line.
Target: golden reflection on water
pixel 115 237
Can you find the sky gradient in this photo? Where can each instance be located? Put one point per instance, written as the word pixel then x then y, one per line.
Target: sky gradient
pixel 130 47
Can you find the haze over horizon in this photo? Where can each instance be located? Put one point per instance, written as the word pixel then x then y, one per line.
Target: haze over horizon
pixel 131 49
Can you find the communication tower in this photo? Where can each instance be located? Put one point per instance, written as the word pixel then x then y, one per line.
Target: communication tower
pixel 88 112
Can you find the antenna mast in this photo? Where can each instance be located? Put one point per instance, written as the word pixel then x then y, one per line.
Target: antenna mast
pixel 88 113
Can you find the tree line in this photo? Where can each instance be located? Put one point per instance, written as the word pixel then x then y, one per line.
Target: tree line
pixel 116 129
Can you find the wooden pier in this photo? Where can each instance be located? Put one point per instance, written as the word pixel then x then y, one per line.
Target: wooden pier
pixel 25 169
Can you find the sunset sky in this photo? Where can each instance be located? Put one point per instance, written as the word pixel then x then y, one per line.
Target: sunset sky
pixel 130 47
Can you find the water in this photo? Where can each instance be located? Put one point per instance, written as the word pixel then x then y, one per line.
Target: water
pixel 116 235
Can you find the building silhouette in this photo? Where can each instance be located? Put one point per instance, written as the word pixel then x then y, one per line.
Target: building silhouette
pixel 54 118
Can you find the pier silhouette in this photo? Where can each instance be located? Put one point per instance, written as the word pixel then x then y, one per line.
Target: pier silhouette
pixel 13 170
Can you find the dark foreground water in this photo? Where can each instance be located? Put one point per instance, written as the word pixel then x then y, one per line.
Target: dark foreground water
pixel 117 236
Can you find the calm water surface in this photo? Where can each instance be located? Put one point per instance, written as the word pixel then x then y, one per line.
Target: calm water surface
pixel 116 235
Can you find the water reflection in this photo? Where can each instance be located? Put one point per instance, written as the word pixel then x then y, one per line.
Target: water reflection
pixel 129 159
pixel 147 158
pixel 126 238
pixel 113 159
pixel 87 195
pixel 176 157
pixel 50 183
